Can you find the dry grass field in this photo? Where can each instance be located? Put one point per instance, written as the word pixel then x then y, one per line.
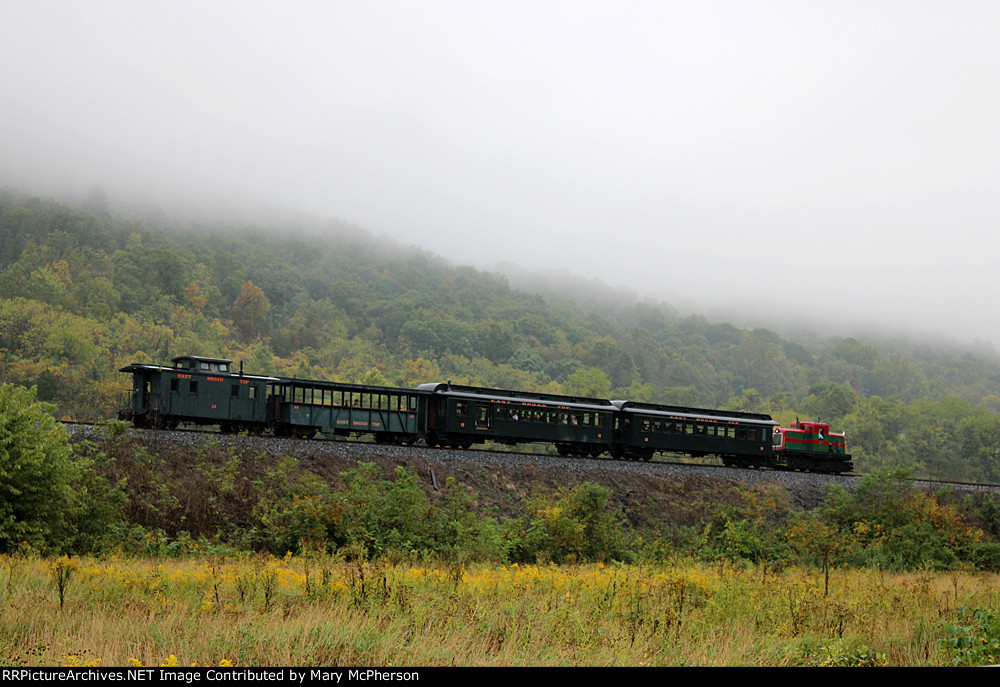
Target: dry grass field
pixel 323 611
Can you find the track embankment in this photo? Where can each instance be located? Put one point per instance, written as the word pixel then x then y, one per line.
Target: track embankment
pixel 646 493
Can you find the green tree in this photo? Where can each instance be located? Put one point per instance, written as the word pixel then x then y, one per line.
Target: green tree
pixel 36 470
pixel 588 382
pixel 829 402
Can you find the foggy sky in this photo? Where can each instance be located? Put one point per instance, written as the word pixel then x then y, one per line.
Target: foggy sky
pixel 834 159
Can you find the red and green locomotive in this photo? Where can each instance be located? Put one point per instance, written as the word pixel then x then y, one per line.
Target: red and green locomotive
pixel 810 446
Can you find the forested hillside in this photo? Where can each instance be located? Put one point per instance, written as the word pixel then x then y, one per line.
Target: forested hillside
pixel 83 293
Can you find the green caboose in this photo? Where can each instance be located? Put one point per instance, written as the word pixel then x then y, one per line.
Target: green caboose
pixel 197 390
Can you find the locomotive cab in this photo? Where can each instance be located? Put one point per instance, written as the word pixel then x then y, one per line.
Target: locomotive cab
pixel 818 428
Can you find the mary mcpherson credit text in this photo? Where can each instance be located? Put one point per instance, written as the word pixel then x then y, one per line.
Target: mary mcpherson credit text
pixel 297 675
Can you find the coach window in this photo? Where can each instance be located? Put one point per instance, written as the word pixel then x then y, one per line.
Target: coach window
pixel 234 391
pixel 173 384
pixel 193 388
pixel 253 392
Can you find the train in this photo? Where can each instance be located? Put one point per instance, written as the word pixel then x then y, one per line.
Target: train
pixel 207 391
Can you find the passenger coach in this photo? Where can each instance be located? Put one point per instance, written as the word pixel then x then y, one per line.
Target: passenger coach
pixel 463 416
pixel 738 438
pixel 304 408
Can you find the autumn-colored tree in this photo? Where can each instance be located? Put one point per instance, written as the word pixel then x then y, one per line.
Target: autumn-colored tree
pixel 816 540
pixel 250 312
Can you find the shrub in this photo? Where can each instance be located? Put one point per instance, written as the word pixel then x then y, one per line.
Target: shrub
pixel 575 524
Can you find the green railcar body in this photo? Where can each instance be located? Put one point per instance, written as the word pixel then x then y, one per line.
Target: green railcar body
pixel 464 415
pixel 196 390
pixel 308 407
pixel 738 438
